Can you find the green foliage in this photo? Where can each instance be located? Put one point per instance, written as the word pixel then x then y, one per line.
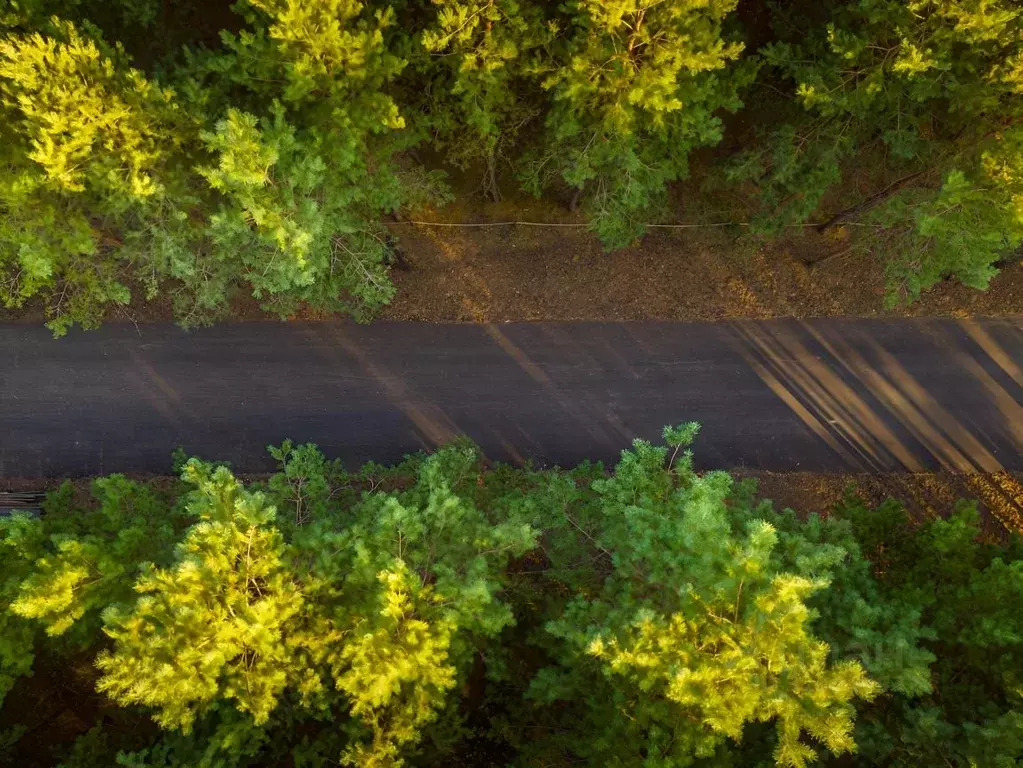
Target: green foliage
pixel 307 168
pixel 214 625
pixel 963 230
pixel 61 572
pixel 404 593
pixel 30 14
pixel 93 562
pixel 265 164
pixel 634 87
pixel 854 615
pixel 685 631
pixel 112 180
pixel 482 60
pixel 22 540
pixel 280 226
pixel 927 93
pixel 969 595
pixel 84 145
pixel 438 611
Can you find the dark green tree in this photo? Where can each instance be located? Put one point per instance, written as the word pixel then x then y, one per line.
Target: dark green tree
pixel 925 95
pixel 968 593
pixel 483 60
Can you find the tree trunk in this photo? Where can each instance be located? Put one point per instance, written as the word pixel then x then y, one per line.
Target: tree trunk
pixel 869 203
pixel 573 203
pixel 492 188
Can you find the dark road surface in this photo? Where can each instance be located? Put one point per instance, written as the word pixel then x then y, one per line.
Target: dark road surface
pixel 850 395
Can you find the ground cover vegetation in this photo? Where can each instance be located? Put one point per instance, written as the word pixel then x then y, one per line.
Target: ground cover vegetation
pixel 194 152
pixel 445 611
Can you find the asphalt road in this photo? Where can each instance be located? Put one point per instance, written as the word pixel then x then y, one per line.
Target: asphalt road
pixel 855 395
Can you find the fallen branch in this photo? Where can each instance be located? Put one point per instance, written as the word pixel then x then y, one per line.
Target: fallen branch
pixel 870 202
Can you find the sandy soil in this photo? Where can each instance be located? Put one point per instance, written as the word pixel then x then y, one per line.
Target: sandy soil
pixel 492 274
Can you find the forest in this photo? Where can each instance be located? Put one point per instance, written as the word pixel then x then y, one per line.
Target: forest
pixel 195 155
pixel 193 152
pixel 447 611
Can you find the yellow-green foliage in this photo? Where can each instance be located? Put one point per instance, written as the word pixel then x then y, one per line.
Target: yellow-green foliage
pixel 694 632
pixel 483 55
pixel 112 181
pixel 89 125
pixel 214 626
pixel 634 87
pixel 84 142
pixel 444 612
pixel 264 164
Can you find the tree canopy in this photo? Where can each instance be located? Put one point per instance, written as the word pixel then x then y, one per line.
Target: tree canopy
pixel 143 155
pixel 447 611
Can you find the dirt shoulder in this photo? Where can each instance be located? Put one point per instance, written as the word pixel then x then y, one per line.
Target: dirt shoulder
pixel 927 495
pixel 562 273
pixel 519 273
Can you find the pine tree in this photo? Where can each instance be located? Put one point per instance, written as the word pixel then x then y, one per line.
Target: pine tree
pixel 215 625
pixel 315 75
pixel 406 589
pixel 61 571
pixel 854 615
pixel 686 631
pixel 85 143
pixel 441 610
pixel 481 62
pixel 92 563
pixel 969 595
pixel 21 539
pixel 634 87
pixel 929 91
pixel 373 612
pixel 114 182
